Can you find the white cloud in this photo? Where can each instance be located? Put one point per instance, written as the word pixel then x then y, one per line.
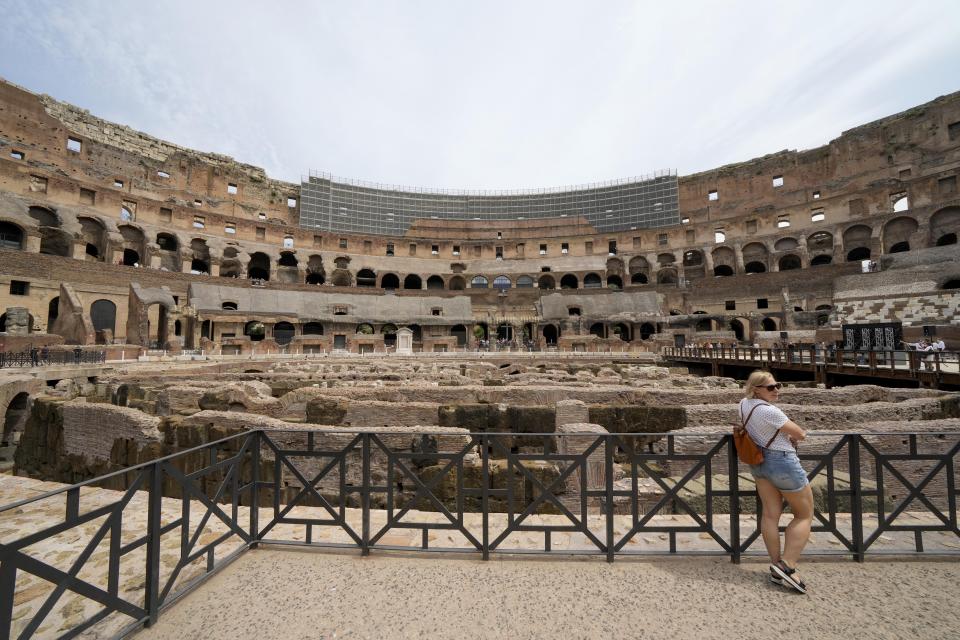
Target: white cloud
pixel 485 95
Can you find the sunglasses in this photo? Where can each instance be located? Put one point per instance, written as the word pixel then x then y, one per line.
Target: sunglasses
pixel 771 387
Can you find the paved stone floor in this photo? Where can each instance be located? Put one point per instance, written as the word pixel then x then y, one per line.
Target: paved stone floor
pixel 273 593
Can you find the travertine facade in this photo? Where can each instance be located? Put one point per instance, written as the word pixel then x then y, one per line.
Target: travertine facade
pixel 773 244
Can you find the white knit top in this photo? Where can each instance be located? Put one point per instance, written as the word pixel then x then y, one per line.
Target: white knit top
pixel 764 423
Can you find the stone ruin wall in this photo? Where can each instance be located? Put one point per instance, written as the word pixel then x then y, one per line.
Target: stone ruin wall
pixel 91 429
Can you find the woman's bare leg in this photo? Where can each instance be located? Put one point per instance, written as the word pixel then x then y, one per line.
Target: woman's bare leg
pixel 772 502
pixel 798 531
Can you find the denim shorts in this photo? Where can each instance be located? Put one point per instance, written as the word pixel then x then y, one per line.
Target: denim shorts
pixel 783 469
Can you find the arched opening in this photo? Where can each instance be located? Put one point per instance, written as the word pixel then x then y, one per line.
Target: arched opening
pixel 93 233
pixel 614 282
pixel 313 329
pixel 459 332
pixel 315 271
pixel 768 324
pixel 53 311
pixel 550 335
pixel 823 320
pixel 259 267
pixel 647 330
pixel 228 306
pixel 389 332
pixel 417 336
pixel 390 281
pixel 502 283
pixel 569 281
pixel 592 281
pixel 254 330
pixel 785 244
pixel 692 258
pixel 131 258
pixel 103 315
pixel 283 333
pixel 481 331
pixel 821 260
pixel 723 270
pixel 15 420
pixel 547 283
pixel 897 233
pixel 11 236
pixel 789 263
pixel 858 254
pixel 754 267
pixel 366 278
pixel 621 330
pixel 413 281
pixel 638 266
pixel 524 282
pixel 857 238
pixel 365 328
pixel 703 325
pixel 457 283
pixel 435 283
pixel 167 242
pixel 177 328
pixel 953 283
pixel 287 259
pixel 479 282
pixel 947 239
pixel 900 247
pixel 667 276
pixel 737 327
pixel 200 262
pixel 598 329
pixel 53 241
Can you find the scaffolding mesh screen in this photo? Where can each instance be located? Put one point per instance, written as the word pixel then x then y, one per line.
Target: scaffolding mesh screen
pixel 350 206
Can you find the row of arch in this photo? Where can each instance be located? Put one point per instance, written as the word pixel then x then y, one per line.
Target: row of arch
pixel 854 243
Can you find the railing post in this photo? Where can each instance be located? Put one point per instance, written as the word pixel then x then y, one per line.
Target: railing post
pixel 8 584
pixel 365 496
pixel 151 594
pixel 255 490
pixel 485 493
pixel 608 498
pixel 856 498
pixel 733 484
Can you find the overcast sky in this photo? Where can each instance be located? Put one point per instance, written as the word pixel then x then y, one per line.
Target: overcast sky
pixel 485 95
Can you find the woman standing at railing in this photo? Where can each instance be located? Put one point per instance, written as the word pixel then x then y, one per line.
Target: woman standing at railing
pixel 778 477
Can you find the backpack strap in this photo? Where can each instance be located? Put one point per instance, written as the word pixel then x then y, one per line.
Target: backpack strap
pixel 749 415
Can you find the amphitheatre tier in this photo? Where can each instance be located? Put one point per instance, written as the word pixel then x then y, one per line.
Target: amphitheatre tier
pixel 111 236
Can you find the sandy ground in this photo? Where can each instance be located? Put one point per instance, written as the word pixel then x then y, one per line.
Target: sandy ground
pixel 279 593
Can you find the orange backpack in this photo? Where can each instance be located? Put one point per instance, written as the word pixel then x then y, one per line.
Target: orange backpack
pixel 747 449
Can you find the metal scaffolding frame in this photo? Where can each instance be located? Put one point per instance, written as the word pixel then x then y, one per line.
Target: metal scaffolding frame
pixel 353 206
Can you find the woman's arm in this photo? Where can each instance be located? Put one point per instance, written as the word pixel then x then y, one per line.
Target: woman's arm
pixel 793 431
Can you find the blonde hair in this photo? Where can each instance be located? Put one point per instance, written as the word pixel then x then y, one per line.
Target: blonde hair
pixel 758 378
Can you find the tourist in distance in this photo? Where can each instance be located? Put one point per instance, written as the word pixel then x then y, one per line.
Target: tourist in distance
pixel 778 477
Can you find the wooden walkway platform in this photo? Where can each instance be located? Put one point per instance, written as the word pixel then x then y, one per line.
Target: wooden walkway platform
pixel 937 370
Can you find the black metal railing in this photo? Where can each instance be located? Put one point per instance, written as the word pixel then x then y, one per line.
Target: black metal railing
pixel 373 490
pixel 43 358
pixel 883 361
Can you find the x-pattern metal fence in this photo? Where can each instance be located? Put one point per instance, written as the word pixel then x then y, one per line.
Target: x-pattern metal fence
pixel 606 489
